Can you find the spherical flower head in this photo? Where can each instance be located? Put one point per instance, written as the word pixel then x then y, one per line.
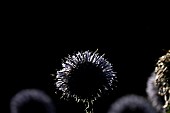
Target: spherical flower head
pixel 131 104
pixel 158 86
pixel 85 76
pixel 152 92
pixel 27 100
pixel 162 79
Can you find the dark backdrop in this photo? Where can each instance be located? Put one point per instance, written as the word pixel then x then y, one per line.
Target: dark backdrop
pixel 37 40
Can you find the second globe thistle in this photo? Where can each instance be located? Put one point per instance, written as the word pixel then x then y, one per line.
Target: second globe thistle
pixel 162 72
pixel 158 84
pixel 85 76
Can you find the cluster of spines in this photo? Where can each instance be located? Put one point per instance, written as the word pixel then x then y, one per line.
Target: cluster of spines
pixel 70 63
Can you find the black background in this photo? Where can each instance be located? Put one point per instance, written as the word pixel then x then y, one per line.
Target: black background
pixel 38 37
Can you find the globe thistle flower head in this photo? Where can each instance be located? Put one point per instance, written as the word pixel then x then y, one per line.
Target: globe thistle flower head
pixel 162 79
pixel 85 76
pixel 152 91
pixel 131 104
pixel 31 100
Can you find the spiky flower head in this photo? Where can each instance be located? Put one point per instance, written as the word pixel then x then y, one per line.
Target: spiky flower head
pixel 162 72
pixel 24 99
pixel 85 76
pixel 152 93
pixel 131 103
